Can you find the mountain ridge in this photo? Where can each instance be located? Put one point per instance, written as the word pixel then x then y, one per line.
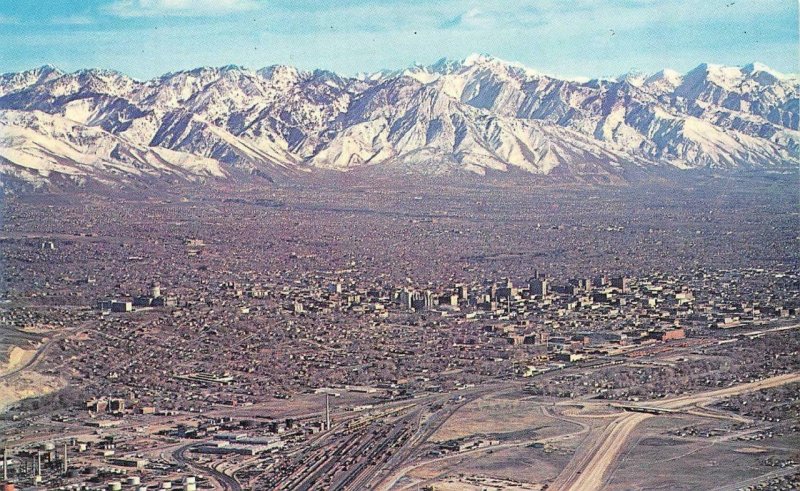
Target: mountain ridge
pixel 476 115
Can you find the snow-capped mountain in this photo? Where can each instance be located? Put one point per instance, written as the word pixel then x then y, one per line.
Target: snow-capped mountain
pixel 478 115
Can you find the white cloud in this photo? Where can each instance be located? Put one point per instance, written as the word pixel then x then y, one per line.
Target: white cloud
pixel 473 18
pixel 493 16
pixel 187 8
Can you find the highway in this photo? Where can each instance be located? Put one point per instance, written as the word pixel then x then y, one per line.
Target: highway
pixel 225 481
pixel 589 467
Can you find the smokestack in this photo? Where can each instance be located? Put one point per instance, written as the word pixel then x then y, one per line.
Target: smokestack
pixel 327 411
pixel 65 457
pixel 39 464
pixel 5 463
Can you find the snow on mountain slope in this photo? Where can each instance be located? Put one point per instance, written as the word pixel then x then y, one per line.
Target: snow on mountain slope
pixel 359 144
pixel 190 133
pixel 35 145
pixel 407 122
pixel 478 114
pixel 13 82
pixel 663 82
pixel 752 100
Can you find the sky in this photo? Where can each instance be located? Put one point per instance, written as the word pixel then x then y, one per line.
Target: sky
pixel 593 38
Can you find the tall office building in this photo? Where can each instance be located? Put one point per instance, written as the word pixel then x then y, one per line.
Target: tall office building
pixel 538 287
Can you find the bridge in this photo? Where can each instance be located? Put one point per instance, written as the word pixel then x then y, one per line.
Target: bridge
pixel 646 409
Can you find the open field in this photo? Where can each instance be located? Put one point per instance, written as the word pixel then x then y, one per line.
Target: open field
pixel 666 463
pixel 502 418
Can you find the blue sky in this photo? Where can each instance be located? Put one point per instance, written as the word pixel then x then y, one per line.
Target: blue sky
pixel 145 38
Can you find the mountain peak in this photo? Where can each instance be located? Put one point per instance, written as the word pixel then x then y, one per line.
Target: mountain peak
pixel 100 72
pixel 755 68
pixel 233 68
pixel 40 71
pixel 727 77
pixel 634 77
pixel 446 66
pixel 730 77
pixel 479 59
pixel 47 68
pixel 668 77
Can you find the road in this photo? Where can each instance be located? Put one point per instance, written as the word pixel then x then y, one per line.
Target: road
pixel 588 469
pixel 225 481
pixel 36 358
pixel 44 349
pixel 711 396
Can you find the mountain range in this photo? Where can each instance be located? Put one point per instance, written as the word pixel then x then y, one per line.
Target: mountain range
pixel 480 115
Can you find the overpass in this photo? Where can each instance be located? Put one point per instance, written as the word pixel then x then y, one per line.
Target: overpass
pixel 646 409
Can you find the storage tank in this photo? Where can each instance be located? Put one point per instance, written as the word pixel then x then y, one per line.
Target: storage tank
pixel 166 485
pixel 134 481
pixel 189 484
pixel 114 486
